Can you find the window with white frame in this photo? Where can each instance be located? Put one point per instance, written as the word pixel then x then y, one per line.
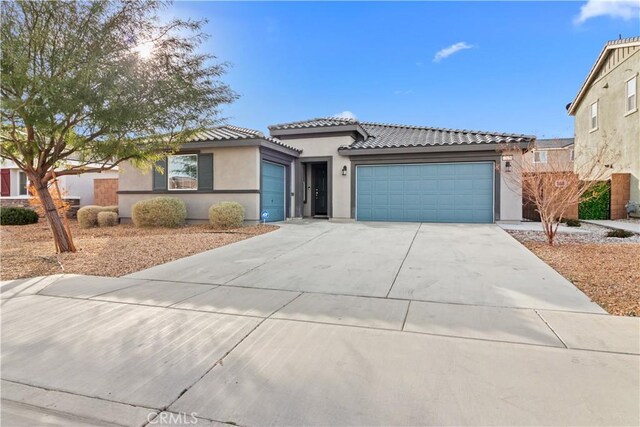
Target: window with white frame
pixel 540 157
pixel 594 116
pixel 632 99
pixel 23 184
pixel 182 172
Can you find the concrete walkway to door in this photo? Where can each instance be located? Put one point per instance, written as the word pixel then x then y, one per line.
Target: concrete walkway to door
pixel 322 323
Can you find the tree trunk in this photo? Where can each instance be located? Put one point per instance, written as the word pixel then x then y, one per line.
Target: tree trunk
pixel 61 238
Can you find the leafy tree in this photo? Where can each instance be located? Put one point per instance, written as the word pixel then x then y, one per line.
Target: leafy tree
pixel 87 85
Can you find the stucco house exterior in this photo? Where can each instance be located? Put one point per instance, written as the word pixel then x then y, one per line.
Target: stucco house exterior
pixel 79 189
pixel 227 163
pixel 606 111
pixel 340 169
pixel 554 154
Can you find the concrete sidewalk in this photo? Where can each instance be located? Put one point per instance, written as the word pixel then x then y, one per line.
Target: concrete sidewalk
pixel 634 227
pixel 446 345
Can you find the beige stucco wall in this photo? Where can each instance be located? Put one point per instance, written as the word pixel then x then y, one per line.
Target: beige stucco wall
pixel 558 159
pixel 197 203
pixel 341 184
pixel 234 168
pixel 620 131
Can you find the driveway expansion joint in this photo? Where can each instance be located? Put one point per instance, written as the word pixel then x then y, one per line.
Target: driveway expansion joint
pixel 404 259
pixel 552 330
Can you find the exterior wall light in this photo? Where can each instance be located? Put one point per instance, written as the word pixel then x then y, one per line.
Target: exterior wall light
pixel 507 166
pixel 344 170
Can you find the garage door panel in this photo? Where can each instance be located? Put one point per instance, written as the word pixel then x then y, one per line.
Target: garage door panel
pixel 273 191
pixel 453 192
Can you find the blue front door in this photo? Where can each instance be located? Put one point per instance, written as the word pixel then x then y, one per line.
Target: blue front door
pixel 273 191
pixel 442 192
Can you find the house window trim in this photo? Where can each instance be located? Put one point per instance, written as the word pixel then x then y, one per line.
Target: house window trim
pixel 546 159
pixel 597 104
pixel 26 187
pixel 626 96
pixel 169 176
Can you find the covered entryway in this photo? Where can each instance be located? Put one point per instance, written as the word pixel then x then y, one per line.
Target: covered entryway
pixel 433 192
pixel 273 191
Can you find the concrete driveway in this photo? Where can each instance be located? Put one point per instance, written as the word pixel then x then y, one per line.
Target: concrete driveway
pixel 322 323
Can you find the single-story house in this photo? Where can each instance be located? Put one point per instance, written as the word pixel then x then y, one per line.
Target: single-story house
pixel 341 169
pixel 80 190
pixel 227 163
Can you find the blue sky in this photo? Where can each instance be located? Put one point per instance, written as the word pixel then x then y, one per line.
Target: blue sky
pixel 518 65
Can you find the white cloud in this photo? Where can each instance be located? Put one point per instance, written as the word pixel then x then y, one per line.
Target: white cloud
pixel 448 51
pixel 625 9
pixel 346 115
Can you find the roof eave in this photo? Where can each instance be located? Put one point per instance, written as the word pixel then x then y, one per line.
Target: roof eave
pixel 355 127
pixel 596 66
pixel 346 151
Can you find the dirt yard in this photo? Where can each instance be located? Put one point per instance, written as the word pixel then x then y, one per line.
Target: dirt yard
pixel 27 251
pixel 608 272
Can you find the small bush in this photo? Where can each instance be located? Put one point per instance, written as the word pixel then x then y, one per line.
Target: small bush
pixel 226 215
pixel 17 216
pixel 110 209
pixel 623 234
pixel 572 223
pixel 595 202
pixel 159 212
pixel 107 219
pixel 88 216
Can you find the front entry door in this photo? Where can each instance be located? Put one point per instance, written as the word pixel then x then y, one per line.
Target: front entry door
pixel 319 189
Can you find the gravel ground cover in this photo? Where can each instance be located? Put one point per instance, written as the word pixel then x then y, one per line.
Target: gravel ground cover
pixel 607 269
pixel 27 251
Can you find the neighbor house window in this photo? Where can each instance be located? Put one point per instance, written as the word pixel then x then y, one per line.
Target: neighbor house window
pixel 182 172
pixel 572 155
pixel 594 116
pixel 632 99
pixel 540 157
pixel 23 184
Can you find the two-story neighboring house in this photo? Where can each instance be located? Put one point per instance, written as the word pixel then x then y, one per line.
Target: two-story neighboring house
pixel 554 154
pixel 606 112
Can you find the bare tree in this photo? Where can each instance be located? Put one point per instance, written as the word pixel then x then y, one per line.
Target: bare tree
pixel 553 182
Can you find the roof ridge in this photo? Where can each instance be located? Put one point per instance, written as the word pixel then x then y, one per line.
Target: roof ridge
pixel 439 129
pixel 623 40
pixel 242 129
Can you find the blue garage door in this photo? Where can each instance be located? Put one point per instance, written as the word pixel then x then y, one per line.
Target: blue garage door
pixel 273 188
pixel 443 192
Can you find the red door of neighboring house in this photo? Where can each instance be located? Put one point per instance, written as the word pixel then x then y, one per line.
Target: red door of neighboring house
pixel 5 182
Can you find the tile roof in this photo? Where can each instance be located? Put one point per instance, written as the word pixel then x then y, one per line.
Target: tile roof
pixel 382 135
pixel 234 133
pixel 554 143
pixel 396 136
pixel 624 41
pixel 313 123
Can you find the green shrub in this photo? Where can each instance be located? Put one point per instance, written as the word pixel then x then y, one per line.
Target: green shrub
pixel 623 234
pixel 572 223
pixel 17 216
pixel 107 219
pixel 88 216
pixel 596 202
pixel 226 215
pixel 159 212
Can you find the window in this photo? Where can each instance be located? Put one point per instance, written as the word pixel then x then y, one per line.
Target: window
pixel 539 157
pixel 631 100
pixel 182 172
pixel 594 116
pixel 572 155
pixel 23 184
